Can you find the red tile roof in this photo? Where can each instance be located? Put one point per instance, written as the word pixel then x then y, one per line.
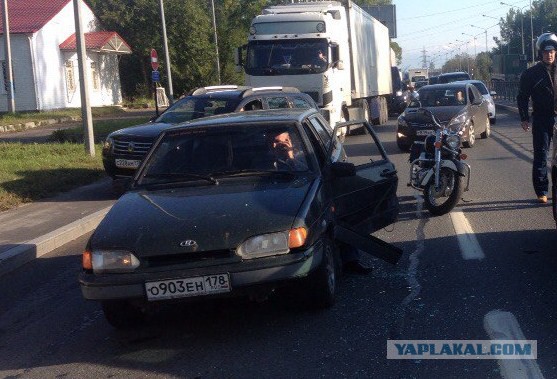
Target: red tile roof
pixel 29 16
pixel 106 41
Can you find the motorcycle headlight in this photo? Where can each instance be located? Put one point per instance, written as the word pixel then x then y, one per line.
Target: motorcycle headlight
pixel 453 142
pixel 399 93
pixel 458 122
pixel 105 261
pixel 402 121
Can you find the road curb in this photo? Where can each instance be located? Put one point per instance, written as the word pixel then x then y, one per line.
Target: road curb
pixel 27 251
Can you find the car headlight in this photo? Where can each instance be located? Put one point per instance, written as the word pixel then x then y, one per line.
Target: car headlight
pixel 458 122
pixel 399 93
pixel 266 245
pixel 402 121
pixel 453 142
pixel 107 144
pixel 104 261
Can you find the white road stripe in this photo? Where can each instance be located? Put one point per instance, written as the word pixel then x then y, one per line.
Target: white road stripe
pixel 501 325
pixel 469 246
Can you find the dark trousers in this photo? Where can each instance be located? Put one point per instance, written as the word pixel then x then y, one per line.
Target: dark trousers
pixel 542 131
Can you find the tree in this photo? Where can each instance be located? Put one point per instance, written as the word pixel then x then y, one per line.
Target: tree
pixel 398 52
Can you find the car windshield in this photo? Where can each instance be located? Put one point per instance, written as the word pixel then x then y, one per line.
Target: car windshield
pixel 287 57
pixel 481 87
pixel 442 97
pixel 193 107
pixel 233 150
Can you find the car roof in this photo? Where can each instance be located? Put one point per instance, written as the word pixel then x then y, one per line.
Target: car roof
pixel 268 115
pixel 452 85
pixel 456 73
pixel 241 92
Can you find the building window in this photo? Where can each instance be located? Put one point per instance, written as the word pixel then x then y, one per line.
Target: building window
pixel 70 76
pixel 95 76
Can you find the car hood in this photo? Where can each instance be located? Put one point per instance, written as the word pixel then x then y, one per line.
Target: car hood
pixel 444 114
pixel 219 217
pixel 150 129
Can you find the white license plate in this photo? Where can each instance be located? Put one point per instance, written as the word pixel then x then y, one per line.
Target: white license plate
pixel 198 286
pixel 424 132
pixel 127 163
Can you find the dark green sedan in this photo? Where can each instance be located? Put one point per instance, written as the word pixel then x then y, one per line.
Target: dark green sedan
pixel 240 204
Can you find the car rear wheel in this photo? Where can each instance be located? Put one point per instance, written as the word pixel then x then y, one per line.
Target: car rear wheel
pixel 121 314
pixel 321 285
pixel 471 137
pixel 404 147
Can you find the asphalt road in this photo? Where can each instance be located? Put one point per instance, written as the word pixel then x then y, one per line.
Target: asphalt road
pixel 498 280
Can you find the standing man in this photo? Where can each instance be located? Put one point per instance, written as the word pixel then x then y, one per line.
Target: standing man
pixel 539 83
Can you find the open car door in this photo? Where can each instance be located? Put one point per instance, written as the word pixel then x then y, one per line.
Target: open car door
pixel 366 201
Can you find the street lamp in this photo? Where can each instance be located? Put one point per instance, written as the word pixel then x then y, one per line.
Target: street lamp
pixel 467 60
pixel 485 29
pixel 521 21
pixel 470 35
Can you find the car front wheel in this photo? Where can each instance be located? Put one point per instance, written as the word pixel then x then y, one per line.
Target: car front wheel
pixel 321 285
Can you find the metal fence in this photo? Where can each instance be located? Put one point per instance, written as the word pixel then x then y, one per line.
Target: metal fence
pixel 506 90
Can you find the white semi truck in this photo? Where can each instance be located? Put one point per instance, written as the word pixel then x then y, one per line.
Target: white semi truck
pixel 350 79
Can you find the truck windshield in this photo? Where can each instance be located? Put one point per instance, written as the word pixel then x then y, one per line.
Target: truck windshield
pixel 292 57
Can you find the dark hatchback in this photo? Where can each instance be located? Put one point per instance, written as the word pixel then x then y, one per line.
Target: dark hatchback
pixel 470 113
pixel 124 149
pixel 210 213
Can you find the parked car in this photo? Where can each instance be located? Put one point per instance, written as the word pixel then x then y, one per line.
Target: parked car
pixel 442 100
pixel 433 80
pixel 124 149
pixel 449 77
pixel 212 211
pixel 487 96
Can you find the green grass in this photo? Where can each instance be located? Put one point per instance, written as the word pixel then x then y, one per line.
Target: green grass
pixel 23 117
pixel 101 129
pixel 29 172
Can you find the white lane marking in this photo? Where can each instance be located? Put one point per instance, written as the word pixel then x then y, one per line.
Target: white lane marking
pixel 469 246
pixel 501 325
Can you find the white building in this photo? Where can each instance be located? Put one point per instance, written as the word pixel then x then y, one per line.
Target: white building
pixel 44 57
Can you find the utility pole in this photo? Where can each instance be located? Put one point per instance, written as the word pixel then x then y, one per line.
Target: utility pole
pixel 424 58
pixel 216 40
pixel 166 55
pixel 8 58
pixel 532 34
pixel 87 118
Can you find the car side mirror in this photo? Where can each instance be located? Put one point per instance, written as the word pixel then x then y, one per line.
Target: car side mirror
pixel 343 169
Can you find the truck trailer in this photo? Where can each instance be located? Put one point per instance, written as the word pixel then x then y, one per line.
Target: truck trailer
pixel 332 50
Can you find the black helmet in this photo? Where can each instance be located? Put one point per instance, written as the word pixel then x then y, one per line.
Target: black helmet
pixel 547 41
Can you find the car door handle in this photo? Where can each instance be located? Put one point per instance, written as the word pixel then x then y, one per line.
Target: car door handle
pixel 387 173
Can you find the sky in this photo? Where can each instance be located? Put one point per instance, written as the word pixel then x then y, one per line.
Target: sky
pixel 433 24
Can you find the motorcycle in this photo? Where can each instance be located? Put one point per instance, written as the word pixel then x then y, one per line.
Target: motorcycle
pixel 437 168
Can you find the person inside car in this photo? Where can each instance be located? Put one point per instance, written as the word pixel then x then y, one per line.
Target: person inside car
pixel 459 98
pixel 287 154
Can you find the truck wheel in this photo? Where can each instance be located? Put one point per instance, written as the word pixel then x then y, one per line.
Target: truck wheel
pixel 321 286
pixel 384 111
pixel 121 314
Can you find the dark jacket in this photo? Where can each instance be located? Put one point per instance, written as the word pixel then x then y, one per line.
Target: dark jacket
pixel 535 82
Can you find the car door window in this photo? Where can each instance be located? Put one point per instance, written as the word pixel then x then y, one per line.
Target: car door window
pixel 363 149
pixel 299 102
pixel 471 95
pixel 318 147
pixel 277 102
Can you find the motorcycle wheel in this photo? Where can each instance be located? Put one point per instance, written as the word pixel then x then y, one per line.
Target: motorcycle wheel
pixel 445 199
